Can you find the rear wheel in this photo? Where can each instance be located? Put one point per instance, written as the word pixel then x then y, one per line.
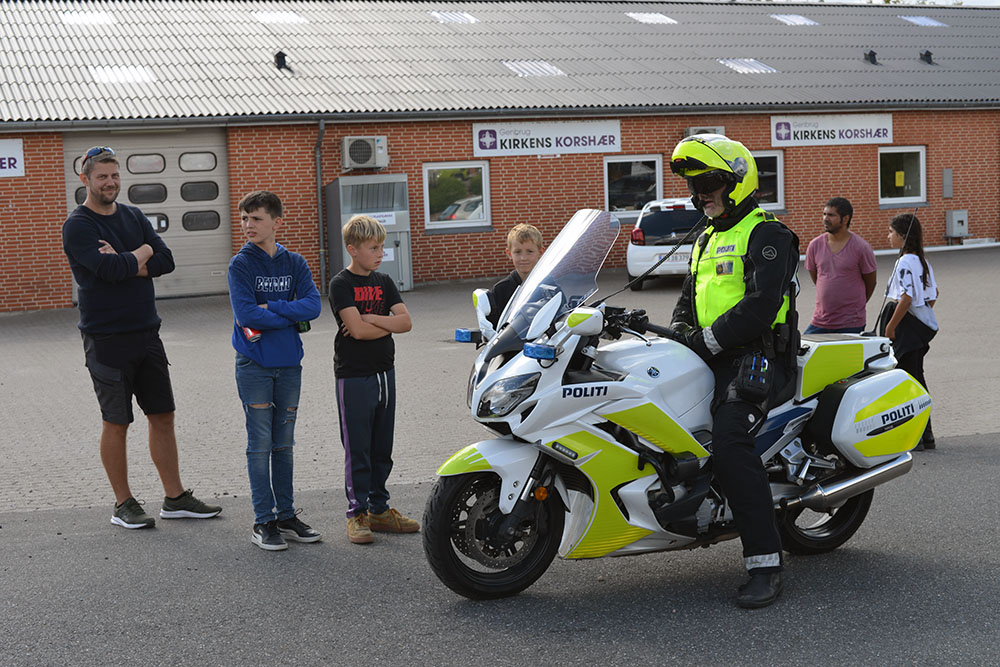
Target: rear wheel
pixel 637 286
pixel 461 513
pixel 805 531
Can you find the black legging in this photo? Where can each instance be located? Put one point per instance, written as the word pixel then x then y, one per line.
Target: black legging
pixel 913 363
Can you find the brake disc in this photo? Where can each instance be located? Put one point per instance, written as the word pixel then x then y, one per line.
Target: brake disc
pixel 486 504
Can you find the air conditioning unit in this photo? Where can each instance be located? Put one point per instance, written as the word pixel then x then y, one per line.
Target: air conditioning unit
pixel 364 153
pixel 956 224
pixel 691 131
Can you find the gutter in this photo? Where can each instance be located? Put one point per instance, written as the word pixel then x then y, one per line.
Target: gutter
pixel 318 150
pixel 463 114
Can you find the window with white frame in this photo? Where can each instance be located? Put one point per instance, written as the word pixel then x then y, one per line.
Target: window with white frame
pixel 902 175
pixel 631 181
pixel 771 179
pixel 456 194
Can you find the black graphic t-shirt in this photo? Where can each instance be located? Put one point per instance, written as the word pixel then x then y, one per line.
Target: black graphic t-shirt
pixel 373 294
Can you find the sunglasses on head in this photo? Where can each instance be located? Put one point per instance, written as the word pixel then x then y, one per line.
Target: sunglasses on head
pixel 96 151
pixel 707 183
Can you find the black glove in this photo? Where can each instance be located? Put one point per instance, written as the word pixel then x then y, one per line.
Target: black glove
pixel 681 327
pixel 639 321
pixel 692 338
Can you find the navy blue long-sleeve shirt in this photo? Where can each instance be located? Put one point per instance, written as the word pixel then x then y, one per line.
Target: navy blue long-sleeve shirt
pixel 113 299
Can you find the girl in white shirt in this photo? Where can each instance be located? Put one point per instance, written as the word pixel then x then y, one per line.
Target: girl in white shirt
pixel 913 289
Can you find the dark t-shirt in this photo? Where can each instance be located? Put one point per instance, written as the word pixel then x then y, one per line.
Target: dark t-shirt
pixel 374 294
pixel 500 296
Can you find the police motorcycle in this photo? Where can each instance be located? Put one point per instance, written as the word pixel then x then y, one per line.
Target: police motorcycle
pixel 602 435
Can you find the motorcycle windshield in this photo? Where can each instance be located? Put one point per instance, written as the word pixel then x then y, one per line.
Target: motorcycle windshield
pixel 567 270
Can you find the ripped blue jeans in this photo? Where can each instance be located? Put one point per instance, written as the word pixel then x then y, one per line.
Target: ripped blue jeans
pixel 270 399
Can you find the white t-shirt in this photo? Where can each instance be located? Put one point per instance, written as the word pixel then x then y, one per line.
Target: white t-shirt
pixel 907 278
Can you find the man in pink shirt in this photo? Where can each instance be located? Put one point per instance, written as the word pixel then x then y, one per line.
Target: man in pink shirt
pixel 842 266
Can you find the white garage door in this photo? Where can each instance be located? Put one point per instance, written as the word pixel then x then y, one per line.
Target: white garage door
pixel 179 179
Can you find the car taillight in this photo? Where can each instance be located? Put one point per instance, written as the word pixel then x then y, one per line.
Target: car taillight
pixel 638 237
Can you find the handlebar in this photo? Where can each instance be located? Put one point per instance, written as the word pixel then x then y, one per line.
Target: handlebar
pixel 618 319
pixel 665 332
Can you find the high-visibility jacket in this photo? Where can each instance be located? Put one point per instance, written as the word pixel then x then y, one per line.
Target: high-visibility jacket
pixel 718 269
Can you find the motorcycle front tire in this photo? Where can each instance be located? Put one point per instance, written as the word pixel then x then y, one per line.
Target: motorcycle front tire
pixel 449 539
pixel 805 532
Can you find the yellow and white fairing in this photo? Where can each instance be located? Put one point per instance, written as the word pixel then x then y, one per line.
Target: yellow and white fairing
pixel 876 417
pixel 832 357
pixel 880 417
pixel 661 392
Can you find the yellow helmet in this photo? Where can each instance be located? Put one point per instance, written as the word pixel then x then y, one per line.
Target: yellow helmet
pixel 708 161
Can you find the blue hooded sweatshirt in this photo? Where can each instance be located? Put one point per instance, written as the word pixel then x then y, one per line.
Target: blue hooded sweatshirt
pixel 284 282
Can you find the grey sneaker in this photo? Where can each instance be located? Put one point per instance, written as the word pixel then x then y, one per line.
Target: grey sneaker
pixel 267 537
pixel 296 530
pixel 187 507
pixel 130 515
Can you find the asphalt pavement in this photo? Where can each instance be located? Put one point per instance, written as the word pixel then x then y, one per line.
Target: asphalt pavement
pixel 917 585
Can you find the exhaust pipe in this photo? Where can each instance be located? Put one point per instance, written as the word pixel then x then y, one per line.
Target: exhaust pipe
pixel 824 497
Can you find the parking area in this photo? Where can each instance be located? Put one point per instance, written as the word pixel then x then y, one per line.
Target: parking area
pixel 52 420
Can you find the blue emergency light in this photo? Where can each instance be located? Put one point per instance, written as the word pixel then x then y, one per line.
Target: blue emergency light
pixel 539 351
pixel 468 336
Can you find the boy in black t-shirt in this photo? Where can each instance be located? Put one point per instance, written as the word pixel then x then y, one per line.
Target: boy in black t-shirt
pixel 524 247
pixel 369 310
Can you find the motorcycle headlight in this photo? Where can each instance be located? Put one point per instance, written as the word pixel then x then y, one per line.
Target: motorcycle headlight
pixel 505 395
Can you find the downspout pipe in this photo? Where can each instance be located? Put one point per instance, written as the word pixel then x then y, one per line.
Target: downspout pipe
pixel 318 150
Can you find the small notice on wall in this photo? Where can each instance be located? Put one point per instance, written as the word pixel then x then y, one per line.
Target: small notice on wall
pixel 387 219
pixel 11 158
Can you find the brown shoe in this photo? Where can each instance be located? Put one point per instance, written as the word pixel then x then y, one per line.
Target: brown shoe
pixel 391 521
pixel 358 531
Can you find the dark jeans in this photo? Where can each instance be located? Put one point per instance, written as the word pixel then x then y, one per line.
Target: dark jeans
pixel 367 407
pixel 813 329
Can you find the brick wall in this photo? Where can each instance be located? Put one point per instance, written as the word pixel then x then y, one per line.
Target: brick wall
pixel 543 191
pixel 280 159
pixel 34 272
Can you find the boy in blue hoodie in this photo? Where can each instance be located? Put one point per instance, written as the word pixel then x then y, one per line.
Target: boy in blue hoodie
pixel 272 292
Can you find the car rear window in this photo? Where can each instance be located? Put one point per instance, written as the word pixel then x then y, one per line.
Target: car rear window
pixel 663 223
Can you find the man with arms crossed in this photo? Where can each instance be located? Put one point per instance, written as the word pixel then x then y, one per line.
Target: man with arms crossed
pixel 114 254
pixel 842 266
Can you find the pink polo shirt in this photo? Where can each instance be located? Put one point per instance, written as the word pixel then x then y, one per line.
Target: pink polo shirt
pixel 840 290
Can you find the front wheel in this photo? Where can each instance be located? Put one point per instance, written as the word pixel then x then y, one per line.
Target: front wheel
pixel 807 532
pixel 460 515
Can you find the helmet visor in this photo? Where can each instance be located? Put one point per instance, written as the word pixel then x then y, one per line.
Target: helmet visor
pixel 683 165
pixel 707 183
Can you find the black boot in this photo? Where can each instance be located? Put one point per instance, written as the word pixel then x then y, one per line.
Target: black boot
pixel 762 589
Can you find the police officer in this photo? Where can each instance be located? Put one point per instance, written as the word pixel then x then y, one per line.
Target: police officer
pixel 736 311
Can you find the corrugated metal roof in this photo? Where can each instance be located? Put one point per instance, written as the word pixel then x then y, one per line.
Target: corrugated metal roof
pixel 215 59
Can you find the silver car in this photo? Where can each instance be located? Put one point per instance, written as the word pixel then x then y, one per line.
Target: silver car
pixel 662 224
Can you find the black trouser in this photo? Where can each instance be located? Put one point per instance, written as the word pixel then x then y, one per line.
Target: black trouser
pixel 740 471
pixel 913 363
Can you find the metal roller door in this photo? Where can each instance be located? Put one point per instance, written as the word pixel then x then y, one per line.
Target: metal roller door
pixel 179 179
